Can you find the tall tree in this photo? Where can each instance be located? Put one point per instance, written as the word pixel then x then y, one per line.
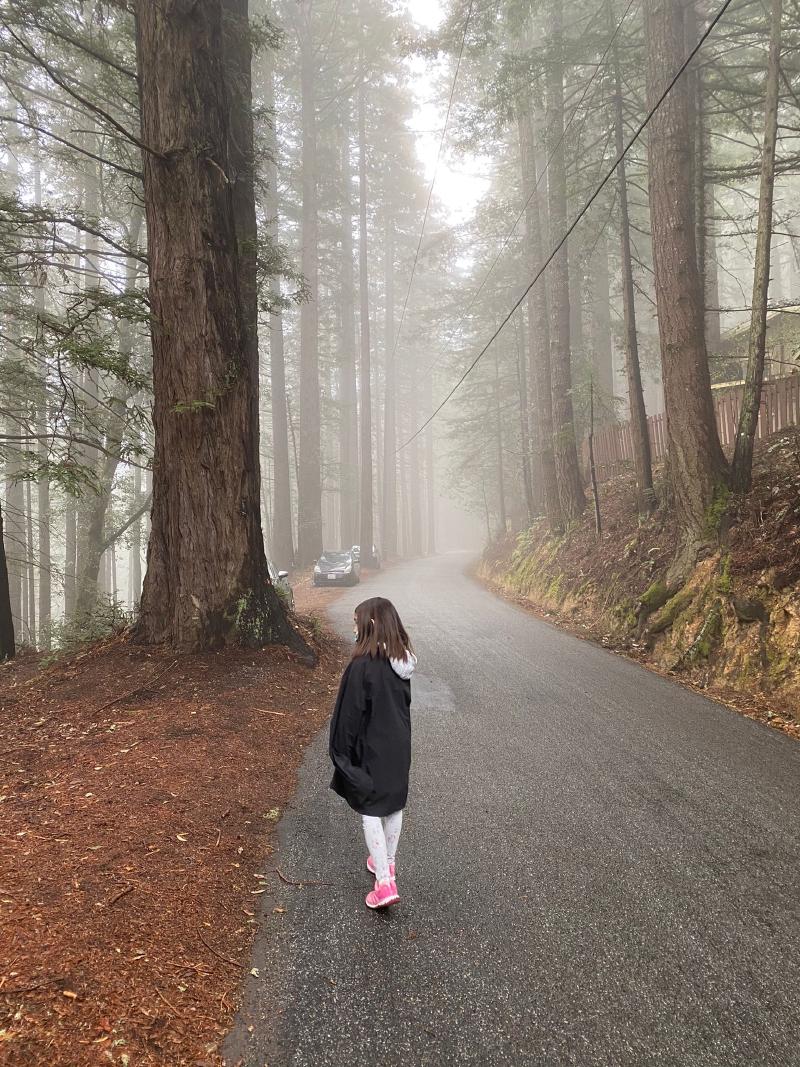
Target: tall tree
pixel 389 518
pixel 568 475
pixel 366 534
pixel 207 581
pixel 539 324
pixel 282 541
pixel 742 470
pixel 696 464
pixel 348 384
pixel 642 458
pixel 7 646
pixel 309 489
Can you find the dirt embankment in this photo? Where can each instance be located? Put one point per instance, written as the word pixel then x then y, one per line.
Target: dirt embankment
pixel 138 794
pixel 733 629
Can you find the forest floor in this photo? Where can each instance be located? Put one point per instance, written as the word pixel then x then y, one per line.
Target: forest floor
pixel 733 629
pixel 138 794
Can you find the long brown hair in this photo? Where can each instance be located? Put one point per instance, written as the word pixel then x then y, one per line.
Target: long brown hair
pixel 380 631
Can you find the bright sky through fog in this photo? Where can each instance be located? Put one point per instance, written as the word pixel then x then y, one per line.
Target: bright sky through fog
pixel 460 180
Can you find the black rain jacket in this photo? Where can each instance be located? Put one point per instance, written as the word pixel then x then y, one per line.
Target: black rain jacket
pixel 370 739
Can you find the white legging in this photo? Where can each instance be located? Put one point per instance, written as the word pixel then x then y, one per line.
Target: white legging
pixel 382 836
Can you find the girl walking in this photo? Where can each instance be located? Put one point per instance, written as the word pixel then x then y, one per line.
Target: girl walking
pixel 370 741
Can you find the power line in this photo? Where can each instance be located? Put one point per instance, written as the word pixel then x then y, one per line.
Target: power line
pixel 548 161
pixel 575 221
pixel 540 177
pixel 433 179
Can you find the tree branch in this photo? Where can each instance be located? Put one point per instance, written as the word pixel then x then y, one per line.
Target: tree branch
pixel 104 115
pixel 83 151
pixel 115 536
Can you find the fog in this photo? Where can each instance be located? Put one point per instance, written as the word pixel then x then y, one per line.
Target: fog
pixel 413 166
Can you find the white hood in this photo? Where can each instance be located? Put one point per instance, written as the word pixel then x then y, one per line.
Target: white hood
pixel 404 667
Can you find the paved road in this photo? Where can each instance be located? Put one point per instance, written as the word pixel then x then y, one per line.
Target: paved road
pixel 598 868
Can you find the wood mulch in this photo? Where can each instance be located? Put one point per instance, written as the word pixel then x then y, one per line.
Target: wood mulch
pixel 139 790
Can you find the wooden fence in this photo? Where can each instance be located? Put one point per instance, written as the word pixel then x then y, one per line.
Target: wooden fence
pixel 780 407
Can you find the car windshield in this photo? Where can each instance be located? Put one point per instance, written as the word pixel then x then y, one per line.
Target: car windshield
pixel 335 557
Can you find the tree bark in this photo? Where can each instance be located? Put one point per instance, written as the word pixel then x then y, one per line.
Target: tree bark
pixel 568 475
pixel 696 463
pixel 366 532
pixel 539 328
pixel 43 484
pixel 70 545
pixel 348 411
pixel 524 427
pixel 206 583
pixel 602 345
pixel 430 476
pixel 598 521
pixel 642 457
pixel 282 540
pixel 136 545
pixel 95 507
pixel 309 489
pixel 94 512
pixel 742 469
pixel 30 559
pixel 389 523
pixel 502 517
pixel 7 644
pixel 14 489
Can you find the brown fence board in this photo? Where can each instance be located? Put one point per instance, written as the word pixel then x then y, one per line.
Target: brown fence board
pixel 780 407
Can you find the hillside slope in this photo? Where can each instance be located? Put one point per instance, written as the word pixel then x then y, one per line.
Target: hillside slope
pixel 732 629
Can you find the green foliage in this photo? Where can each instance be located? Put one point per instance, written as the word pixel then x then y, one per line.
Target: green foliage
pixel 724 581
pixel 716 512
pixel 68 636
pixel 667 615
pixel 624 614
pixel 554 589
pixel 708 636
pixel 284 596
pixel 255 621
pixel 654 597
pixel 193 407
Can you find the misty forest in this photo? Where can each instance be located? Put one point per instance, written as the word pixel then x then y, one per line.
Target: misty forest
pixel 489 308
pixel 240 283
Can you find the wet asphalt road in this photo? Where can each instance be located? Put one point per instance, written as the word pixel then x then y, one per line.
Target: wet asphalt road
pixel 597 868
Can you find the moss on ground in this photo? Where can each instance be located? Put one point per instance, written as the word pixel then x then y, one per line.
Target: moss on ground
pixel 675 606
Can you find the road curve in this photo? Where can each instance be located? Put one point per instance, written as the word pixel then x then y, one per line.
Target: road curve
pixel 598 867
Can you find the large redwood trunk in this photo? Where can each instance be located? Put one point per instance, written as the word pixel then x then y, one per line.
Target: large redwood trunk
pixel 642 455
pixel 539 328
pixel 389 522
pixel 568 475
pixel 348 389
pixel 206 581
pixel 282 541
pixel 309 488
pixel 696 463
pixel 7 645
pixel 366 532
